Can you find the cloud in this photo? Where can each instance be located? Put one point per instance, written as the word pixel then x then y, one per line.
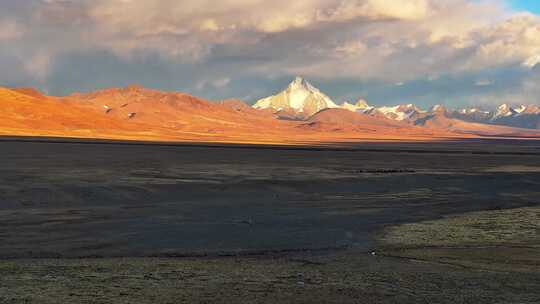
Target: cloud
pixel 483 82
pixel 217 83
pixel 10 30
pixel 221 83
pixel 216 46
pixel 38 66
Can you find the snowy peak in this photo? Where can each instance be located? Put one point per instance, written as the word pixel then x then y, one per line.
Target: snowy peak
pixel 300 99
pixel 526 110
pixel 522 116
pixel 503 110
pixel 439 109
pixel 360 106
pixel 300 83
pixel 473 111
pixel 520 109
pixel 472 115
pixel 400 112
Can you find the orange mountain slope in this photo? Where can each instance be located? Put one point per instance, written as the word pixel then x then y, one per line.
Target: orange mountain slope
pixel 179 114
pixel 442 121
pixel 137 113
pixel 27 113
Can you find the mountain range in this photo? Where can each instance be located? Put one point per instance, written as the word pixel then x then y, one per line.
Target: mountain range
pixel 299 114
pixel 300 100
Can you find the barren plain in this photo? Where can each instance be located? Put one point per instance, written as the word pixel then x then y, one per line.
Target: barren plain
pixel 86 221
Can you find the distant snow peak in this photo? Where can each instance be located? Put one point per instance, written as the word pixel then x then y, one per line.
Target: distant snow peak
pixel 299 83
pixel 300 97
pixel 473 111
pixel 521 109
pixel 362 103
pixel 504 107
pixel 301 100
pixel 503 110
pixel 392 112
pixel 360 106
pixel 438 109
pixel 400 112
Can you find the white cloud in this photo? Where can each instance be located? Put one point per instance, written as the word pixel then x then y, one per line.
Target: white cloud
pixel 221 83
pixel 216 84
pixel 483 83
pixel 10 29
pixel 390 41
pixel 370 39
pixel 38 66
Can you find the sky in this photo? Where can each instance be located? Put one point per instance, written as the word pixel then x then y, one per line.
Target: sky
pixel 528 5
pixel 453 52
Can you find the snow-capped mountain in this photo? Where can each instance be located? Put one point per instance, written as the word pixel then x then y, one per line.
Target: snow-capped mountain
pixel 400 112
pixel 506 110
pixel 360 106
pixel 522 116
pixel 473 115
pixel 503 110
pixel 438 109
pixel 300 99
pixel 474 111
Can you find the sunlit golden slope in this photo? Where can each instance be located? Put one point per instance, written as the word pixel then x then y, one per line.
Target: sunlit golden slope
pixel 143 114
pixel 26 112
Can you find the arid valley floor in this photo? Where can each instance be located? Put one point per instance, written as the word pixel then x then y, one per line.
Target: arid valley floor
pixel 123 222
